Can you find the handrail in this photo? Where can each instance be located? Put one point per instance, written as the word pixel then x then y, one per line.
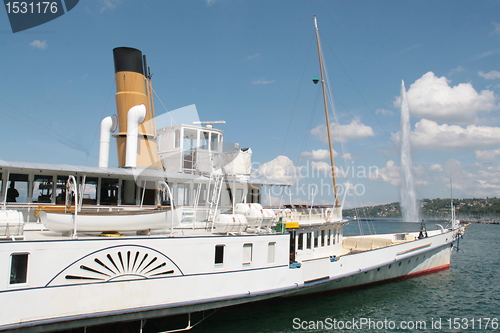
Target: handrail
pixel 72 187
pixel 163 186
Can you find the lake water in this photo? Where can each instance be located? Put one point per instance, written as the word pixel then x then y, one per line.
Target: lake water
pixel 465 298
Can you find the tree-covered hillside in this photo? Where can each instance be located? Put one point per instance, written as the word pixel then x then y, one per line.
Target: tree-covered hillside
pixel 474 208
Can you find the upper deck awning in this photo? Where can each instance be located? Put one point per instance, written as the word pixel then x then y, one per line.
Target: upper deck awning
pixel 67 169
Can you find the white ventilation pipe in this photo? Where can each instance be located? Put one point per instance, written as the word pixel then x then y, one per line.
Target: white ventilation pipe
pixel 108 126
pixel 136 115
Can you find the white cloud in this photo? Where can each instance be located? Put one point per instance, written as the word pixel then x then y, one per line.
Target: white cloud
pixel 390 174
pixel 497 29
pixel 262 82
pixel 322 167
pixel 110 4
pixel 490 75
pixel 487 154
pixel 456 70
pixel 436 168
pixel 347 156
pixel 384 112
pixel 429 135
pixel 39 44
pixel 432 97
pixel 482 55
pixel 343 133
pixel 483 182
pixel 318 155
pixel 252 57
pixel 281 169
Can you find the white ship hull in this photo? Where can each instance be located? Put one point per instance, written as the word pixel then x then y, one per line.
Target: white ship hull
pixel 189 281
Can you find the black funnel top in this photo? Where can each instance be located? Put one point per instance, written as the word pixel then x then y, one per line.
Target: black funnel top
pixel 128 59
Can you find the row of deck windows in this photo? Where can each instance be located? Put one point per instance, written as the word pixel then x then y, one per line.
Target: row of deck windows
pixel 247 256
pixel 318 238
pixel 29 188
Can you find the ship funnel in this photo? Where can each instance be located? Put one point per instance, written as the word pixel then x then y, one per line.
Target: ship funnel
pixel 133 88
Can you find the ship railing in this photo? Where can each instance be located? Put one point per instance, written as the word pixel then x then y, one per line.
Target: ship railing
pixel 310 213
pixel 31 211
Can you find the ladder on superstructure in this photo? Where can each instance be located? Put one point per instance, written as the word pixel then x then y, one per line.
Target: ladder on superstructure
pixel 218 180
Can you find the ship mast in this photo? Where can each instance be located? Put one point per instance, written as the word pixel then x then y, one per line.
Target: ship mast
pixel 320 56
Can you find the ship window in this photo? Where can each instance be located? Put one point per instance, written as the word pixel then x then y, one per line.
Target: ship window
pixel 329 236
pixel 247 254
pixel 271 249
pixel 61 189
pixel 17 188
pixel 316 236
pixel 203 195
pixel 90 191
pixel 177 138
pixel 322 237
pixel 129 192
pixel 334 231
pixel 147 191
pixel 183 194
pixel 42 188
pixel 19 268
pixel 219 254
pixel 308 241
pixel 214 139
pixel 109 191
pixel 204 140
pixel 239 195
pixel 300 245
pixel 189 145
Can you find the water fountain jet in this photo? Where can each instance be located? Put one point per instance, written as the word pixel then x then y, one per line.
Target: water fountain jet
pixel 409 204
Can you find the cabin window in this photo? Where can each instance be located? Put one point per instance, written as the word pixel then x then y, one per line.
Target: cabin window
pixel 300 245
pixel 42 188
pixel 203 195
pixel 219 255
pixel 247 254
pixel 109 191
pixel 189 146
pixel 61 189
pixel 205 139
pixel 128 193
pixel 183 194
pixel 90 191
pixel 316 238
pixel 18 268
pixel 322 237
pixel 177 139
pixel 271 248
pixel 214 139
pixel 329 236
pixel 17 188
pixel 165 198
pixel 253 195
pixel 239 195
pixel 309 240
pixel 334 231
pixel 147 192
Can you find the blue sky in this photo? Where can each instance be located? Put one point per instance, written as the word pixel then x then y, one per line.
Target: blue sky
pixel 250 63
